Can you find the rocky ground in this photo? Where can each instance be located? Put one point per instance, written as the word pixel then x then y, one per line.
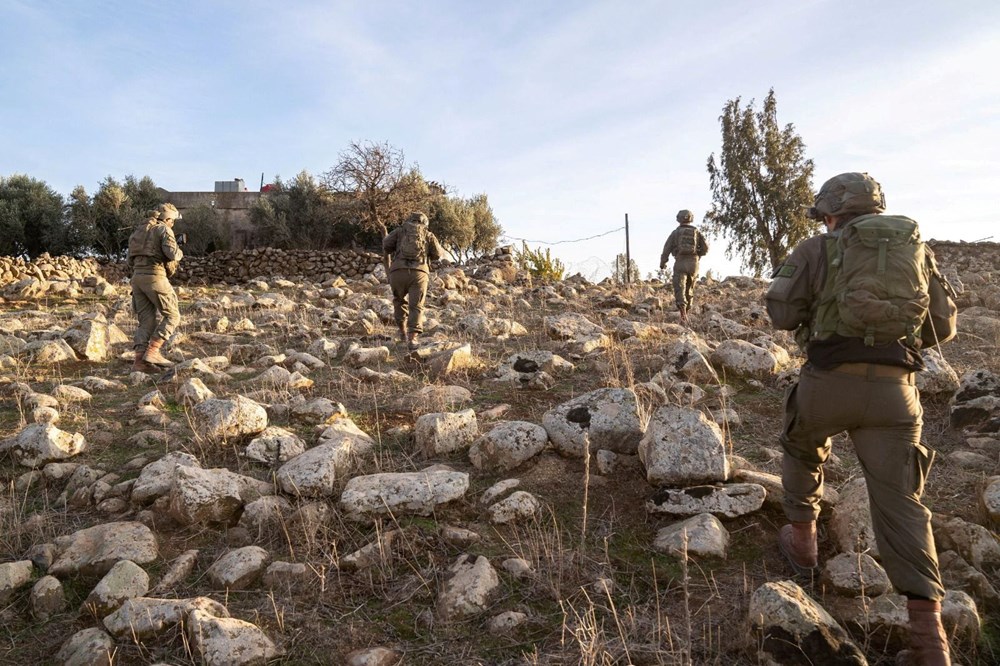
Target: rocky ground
pixel 559 474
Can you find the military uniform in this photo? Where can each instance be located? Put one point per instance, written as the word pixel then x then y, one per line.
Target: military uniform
pixel 685 261
pixel 870 392
pixel 153 255
pixel 408 278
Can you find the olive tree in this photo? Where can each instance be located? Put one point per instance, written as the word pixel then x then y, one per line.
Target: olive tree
pixel 31 217
pixel 759 186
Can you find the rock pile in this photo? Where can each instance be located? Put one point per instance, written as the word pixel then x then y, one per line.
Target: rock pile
pixel 296 454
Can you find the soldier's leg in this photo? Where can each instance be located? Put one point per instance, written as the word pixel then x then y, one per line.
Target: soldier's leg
pixel 417 296
pixel 678 282
pixel 166 303
pixel 399 282
pixel 145 311
pixel 896 465
pixel 819 405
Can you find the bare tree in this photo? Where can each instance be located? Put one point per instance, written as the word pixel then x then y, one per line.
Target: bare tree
pixel 382 186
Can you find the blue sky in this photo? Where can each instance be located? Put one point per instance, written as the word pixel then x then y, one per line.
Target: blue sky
pixel 567 114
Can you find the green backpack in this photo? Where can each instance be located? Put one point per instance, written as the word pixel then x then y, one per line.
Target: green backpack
pixel 687 241
pixel 413 242
pixel 877 283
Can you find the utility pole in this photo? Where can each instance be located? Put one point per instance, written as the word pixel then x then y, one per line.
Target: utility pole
pixel 628 255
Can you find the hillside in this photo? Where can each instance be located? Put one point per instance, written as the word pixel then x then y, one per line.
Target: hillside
pixel 301 490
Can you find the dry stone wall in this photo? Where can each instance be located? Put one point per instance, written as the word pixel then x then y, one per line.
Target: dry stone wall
pixel 44 267
pixel 310 265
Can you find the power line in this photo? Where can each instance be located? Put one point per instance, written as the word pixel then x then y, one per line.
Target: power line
pixel 575 240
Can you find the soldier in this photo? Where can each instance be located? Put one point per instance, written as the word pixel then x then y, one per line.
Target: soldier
pixel 860 378
pixel 153 256
pixel 411 246
pixel 687 244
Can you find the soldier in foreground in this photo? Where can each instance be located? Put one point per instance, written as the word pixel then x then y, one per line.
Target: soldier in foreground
pixel 153 256
pixel 412 246
pixel 687 244
pixel 858 298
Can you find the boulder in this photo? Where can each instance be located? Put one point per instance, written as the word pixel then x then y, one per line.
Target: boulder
pixel 702 535
pixel 445 432
pixel 95 550
pixel 730 500
pixel 227 641
pixel 238 569
pixel 87 647
pixel 126 580
pixel 42 443
pixel 468 591
pixel 607 418
pixel 507 445
pixel 144 618
pixel 314 473
pixel 219 421
pixel 681 447
pixel 367 497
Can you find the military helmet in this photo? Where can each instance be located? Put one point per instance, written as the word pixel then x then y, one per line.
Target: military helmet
pixel 685 216
pixel 167 212
pixel 852 192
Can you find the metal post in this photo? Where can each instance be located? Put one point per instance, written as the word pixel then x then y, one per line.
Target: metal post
pixel 628 255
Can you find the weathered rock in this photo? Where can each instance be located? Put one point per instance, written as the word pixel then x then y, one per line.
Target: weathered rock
pixel 238 569
pixel 13 577
pixel 41 443
pixel 686 360
pixel 193 392
pixel 854 575
pixel 376 656
pixel 608 418
pixel 94 550
pixel 126 580
pixel 360 357
pixel 87 647
pixel 275 445
pixel 314 473
pixel 219 421
pixel 730 500
pixel 144 618
pixel 265 515
pixel 702 535
pixel 205 496
pixel 851 523
pixel 745 359
pixel 157 477
pixel 89 338
pixel 179 569
pixel 793 629
pixel 433 399
pixel 976 544
pixel 507 445
pixel 366 497
pixel 226 641
pixel 938 376
pixel 517 506
pixel 445 432
pixel 957 574
pixel 990 500
pixel 506 622
pixel 288 576
pixel 47 598
pixel 468 590
pixel 681 447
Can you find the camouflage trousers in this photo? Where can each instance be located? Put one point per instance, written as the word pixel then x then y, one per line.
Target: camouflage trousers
pixel 155 305
pixel 409 289
pixel 879 407
pixel 685 274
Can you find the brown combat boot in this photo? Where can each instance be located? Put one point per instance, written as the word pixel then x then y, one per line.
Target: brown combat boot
pixel 154 356
pixel 413 340
pixel 140 365
pixel 684 315
pixel 402 332
pixel 928 640
pixel 797 542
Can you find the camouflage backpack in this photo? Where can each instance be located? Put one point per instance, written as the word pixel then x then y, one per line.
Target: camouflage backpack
pixel 687 241
pixel 877 283
pixel 412 245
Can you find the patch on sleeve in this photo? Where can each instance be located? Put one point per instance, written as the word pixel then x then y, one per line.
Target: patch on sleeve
pixel 785 271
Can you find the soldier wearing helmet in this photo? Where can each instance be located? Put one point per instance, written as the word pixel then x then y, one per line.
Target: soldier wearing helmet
pixel 867 388
pixel 412 246
pixel 153 256
pixel 688 245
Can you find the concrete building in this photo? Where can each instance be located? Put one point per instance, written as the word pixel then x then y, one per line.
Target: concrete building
pixel 230 199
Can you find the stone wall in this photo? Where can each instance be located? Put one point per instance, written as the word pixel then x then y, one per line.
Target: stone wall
pixel 308 265
pixel 44 267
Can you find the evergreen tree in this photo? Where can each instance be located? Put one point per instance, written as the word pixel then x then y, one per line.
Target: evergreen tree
pixel 759 186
